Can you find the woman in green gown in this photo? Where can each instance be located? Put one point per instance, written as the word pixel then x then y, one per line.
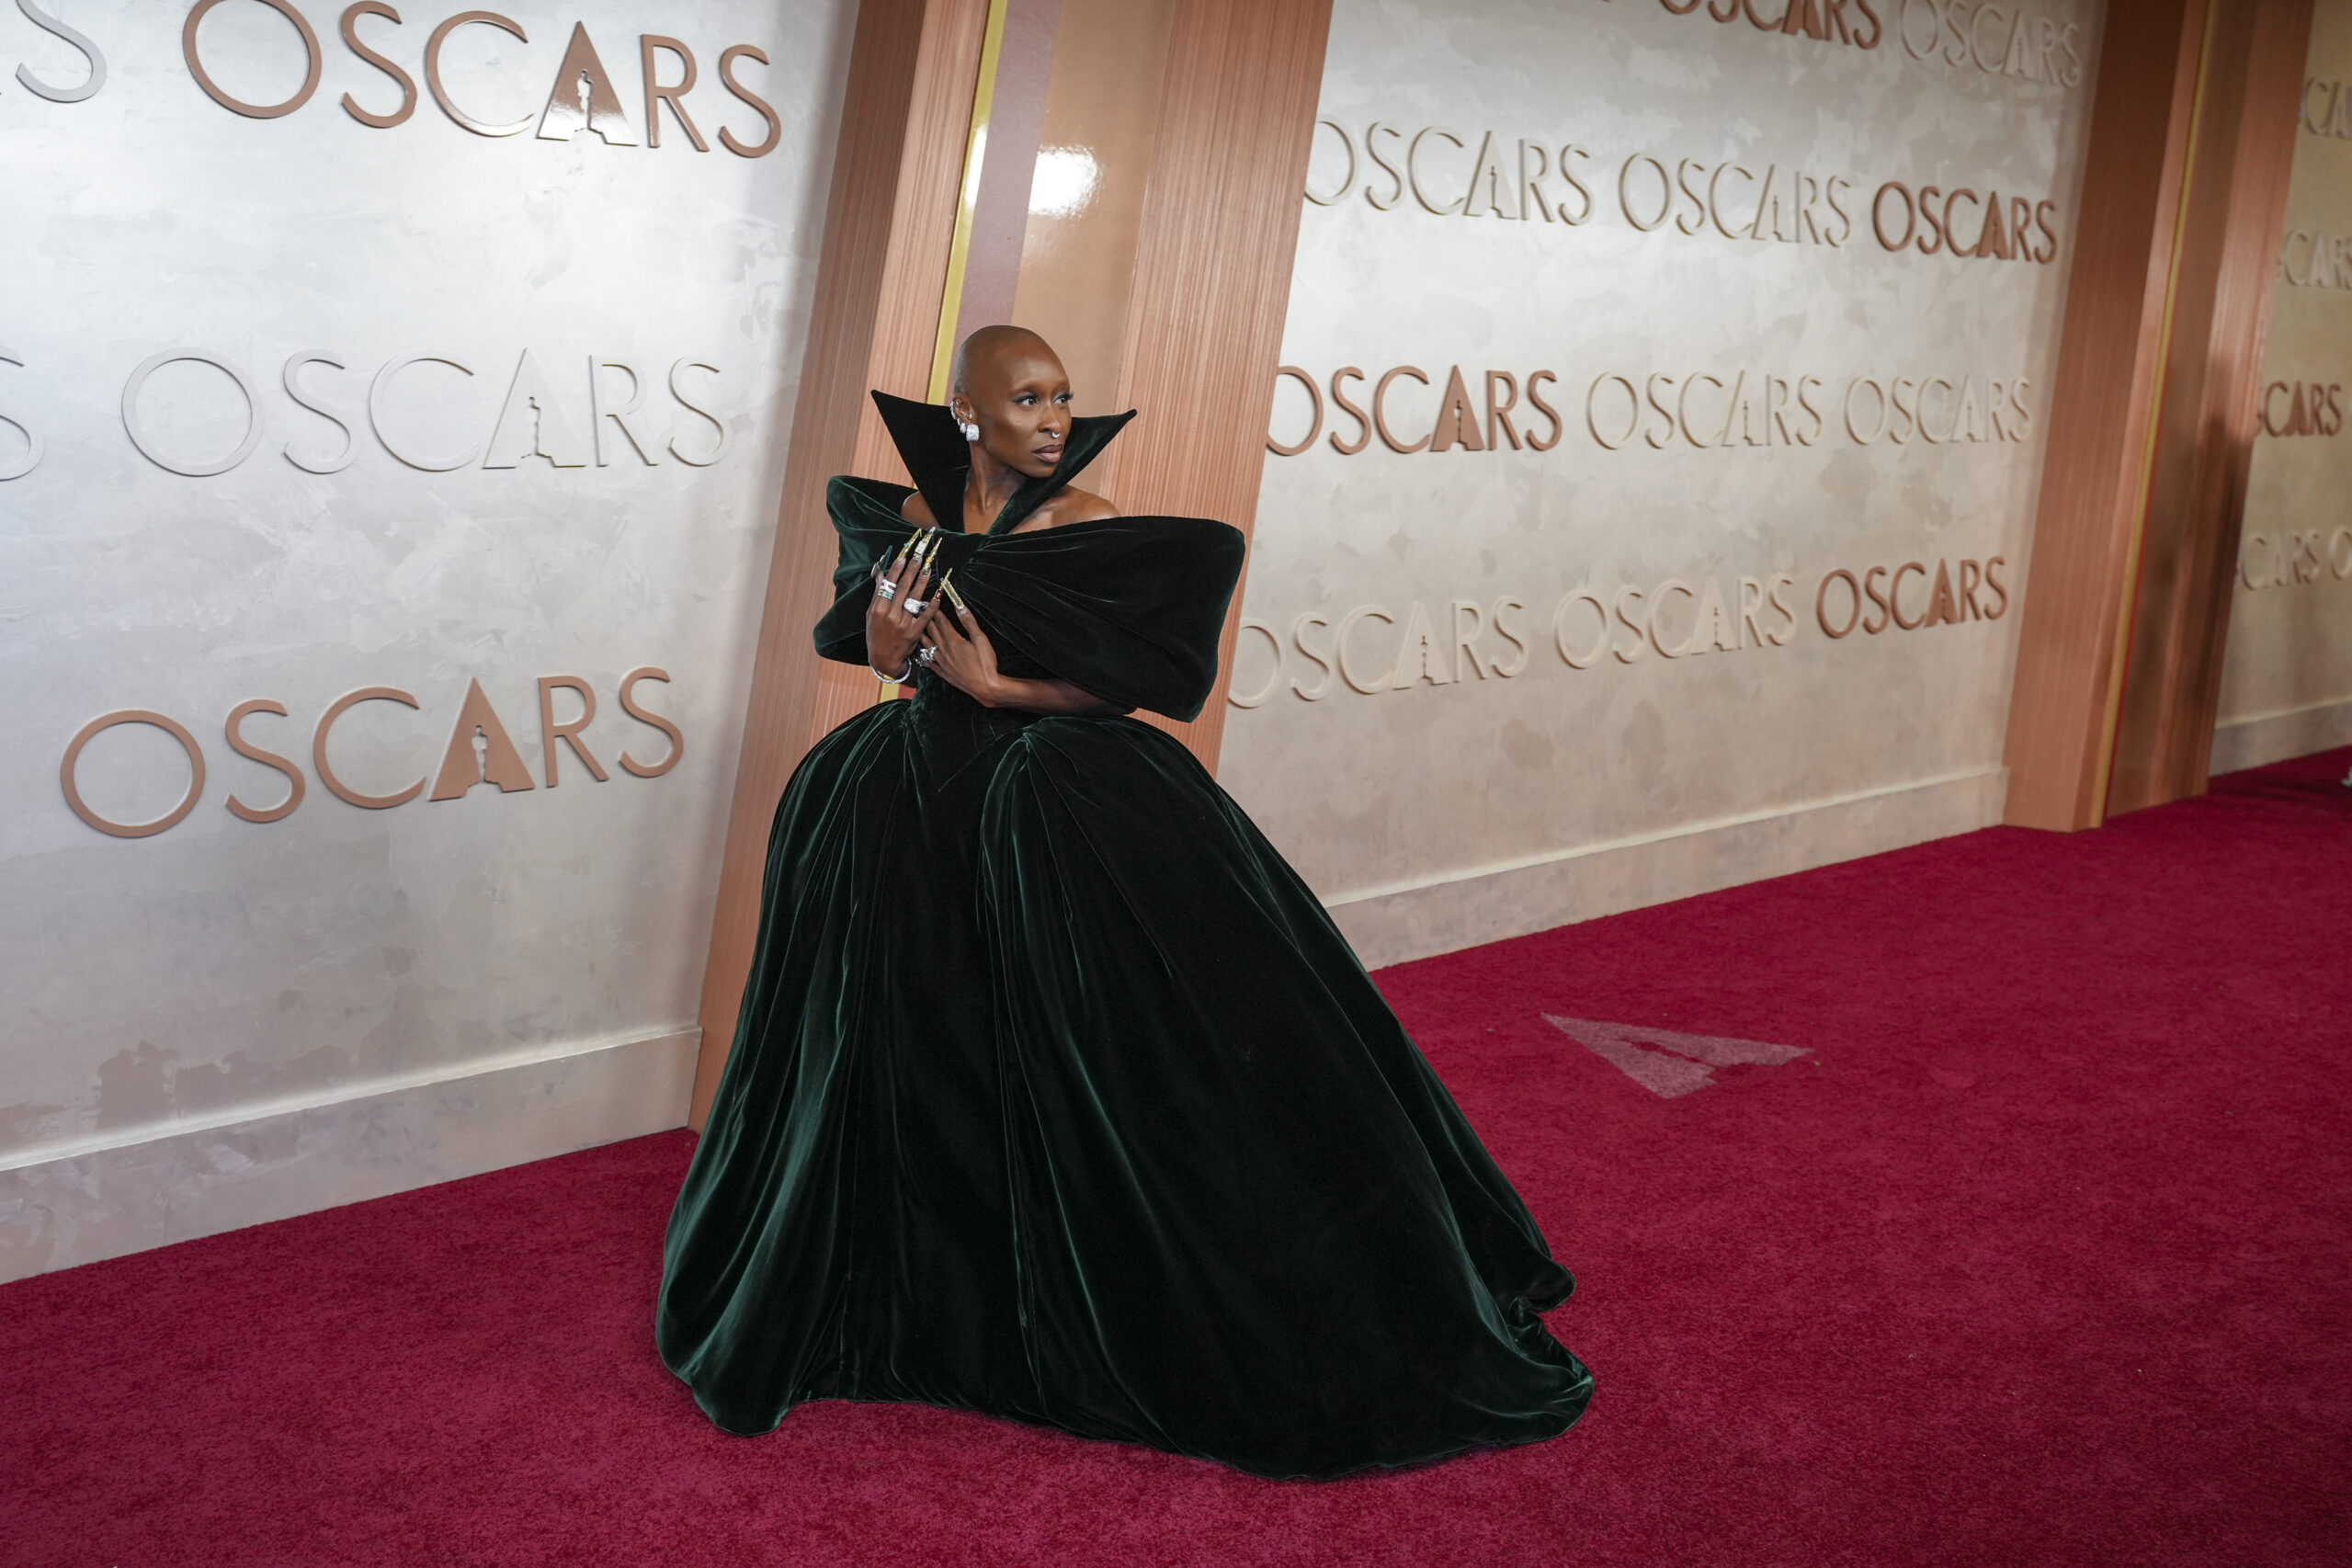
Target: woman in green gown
pixel 1056 1094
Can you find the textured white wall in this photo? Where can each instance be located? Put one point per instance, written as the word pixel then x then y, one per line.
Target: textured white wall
pixel 224 968
pixel 2287 676
pixel 1452 805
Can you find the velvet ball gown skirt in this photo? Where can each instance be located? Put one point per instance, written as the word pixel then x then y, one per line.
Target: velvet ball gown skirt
pixel 1057 1096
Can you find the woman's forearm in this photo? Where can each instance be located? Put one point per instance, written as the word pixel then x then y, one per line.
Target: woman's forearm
pixel 1049 697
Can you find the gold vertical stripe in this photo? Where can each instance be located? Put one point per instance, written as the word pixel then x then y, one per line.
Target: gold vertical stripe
pixel 976 152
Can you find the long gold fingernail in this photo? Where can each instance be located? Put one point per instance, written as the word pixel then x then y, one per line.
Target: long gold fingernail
pixel 947 586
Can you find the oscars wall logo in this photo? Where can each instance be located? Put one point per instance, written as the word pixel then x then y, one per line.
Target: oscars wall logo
pixel 1445 173
pixel 1948 598
pixel 1991 40
pixel 1493 411
pixel 2309 260
pixel 480 751
pixel 1854 22
pixel 2326 110
pixel 2301 408
pixel 1371 649
pixel 600 413
pixel 582 99
pixel 2289 560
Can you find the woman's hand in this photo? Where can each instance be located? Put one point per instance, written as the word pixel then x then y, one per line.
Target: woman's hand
pixel 893 629
pixel 960 653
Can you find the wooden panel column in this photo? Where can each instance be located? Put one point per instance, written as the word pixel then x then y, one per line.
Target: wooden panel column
pixel 2232 224
pixel 2151 421
pixel 889 221
pixel 1212 287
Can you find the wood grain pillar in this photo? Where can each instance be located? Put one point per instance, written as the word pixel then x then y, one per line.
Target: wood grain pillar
pixel 889 219
pixel 2151 419
pixel 1212 287
pixel 2230 228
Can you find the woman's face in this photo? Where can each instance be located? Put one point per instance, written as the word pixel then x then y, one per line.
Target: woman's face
pixel 1019 396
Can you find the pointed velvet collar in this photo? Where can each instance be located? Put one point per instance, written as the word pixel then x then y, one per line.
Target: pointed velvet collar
pixel 938 457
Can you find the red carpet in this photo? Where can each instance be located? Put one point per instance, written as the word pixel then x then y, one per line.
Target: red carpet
pixel 2040 1256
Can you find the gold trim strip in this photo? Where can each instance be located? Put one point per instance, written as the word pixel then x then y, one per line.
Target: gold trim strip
pixel 975 153
pixel 983 99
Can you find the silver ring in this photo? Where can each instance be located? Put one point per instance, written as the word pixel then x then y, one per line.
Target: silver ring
pixel 917 607
pixel 888 590
pixel 925 656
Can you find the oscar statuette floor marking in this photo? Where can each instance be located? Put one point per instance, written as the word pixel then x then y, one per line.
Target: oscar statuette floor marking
pixel 1667 1062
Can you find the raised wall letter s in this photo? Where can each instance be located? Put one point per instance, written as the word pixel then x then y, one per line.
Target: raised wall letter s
pixel 88 86
pixel 245 748
pixel 629 706
pixel 31 459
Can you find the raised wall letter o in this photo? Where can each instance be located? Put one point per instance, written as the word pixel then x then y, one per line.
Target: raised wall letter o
pixel 1877 430
pixel 1910 215
pixel 1625 191
pixel 1349 183
pixel 1236 699
pixel 132 716
pixel 433 70
pixel 1560 631
pixel 154 362
pixel 1821 604
pixel 1935 29
pixel 213 89
pixel 1592 419
pixel 1314 391
pixel 335 709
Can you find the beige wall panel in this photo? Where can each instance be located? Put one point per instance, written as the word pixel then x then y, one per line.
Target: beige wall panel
pixel 1706 481
pixel 335 958
pixel 2286 685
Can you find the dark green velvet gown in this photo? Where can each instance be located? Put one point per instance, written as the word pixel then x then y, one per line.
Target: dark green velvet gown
pixel 1056 1093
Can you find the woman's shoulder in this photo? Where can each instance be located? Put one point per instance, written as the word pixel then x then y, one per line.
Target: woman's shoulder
pixel 1070 505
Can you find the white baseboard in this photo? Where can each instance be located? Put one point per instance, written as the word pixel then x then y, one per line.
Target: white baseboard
pixel 101 1197
pixel 1394 925
pixel 2274 737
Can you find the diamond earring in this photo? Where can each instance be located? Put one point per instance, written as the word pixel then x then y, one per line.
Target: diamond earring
pixel 971 432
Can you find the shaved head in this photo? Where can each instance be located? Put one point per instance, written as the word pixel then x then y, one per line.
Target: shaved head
pixel 992 344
